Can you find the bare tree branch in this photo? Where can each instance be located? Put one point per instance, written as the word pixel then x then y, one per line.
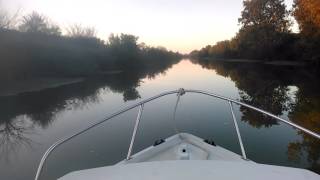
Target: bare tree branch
pixel 8 21
pixel 38 23
pixel 77 30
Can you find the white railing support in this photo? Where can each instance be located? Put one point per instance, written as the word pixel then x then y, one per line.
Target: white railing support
pixel 180 92
pixel 135 130
pixel 243 152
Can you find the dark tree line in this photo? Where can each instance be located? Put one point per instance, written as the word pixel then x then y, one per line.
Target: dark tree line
pixel 265 33
pixel 35 47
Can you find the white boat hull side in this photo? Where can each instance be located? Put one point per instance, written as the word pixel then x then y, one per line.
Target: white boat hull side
pixel 191 170
pixel 196 149
pixel 184 156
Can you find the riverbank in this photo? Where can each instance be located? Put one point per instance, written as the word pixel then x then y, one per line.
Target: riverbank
pixel 42 117
pixel 35 55
pixel 275 62
pixel 38 84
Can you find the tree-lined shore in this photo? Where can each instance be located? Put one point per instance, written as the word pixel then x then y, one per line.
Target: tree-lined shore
pixel 32 46
pixel 266 33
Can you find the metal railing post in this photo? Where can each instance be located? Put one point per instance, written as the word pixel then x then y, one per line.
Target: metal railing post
pixel 136 126
pixel 179 94
pixel 141 104
pixel 244 156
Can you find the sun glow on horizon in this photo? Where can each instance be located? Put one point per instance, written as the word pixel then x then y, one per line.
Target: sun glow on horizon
pixel 178 25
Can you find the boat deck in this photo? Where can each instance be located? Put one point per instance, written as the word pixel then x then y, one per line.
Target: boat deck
pixel 184 146
pixel 187 157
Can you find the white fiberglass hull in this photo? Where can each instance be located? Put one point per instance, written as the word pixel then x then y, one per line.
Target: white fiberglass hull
pixel 184 156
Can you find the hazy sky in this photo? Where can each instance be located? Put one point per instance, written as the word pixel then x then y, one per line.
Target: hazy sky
pixel 180 25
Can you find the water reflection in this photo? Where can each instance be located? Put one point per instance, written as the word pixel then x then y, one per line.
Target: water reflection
pixel 267 87
pixel 13 135
pixel 306 112
pixel 20 114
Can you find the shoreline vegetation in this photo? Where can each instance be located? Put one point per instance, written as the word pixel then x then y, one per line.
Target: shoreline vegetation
pixel 266 35
pixel 33 49
pixel 36 84
pixel 274 62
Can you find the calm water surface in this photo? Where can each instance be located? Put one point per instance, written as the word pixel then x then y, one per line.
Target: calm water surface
pixel 31 122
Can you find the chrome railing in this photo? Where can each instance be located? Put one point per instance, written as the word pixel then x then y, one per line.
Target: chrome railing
pixel 179 92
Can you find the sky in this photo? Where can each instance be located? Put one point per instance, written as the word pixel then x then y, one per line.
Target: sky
pixel 178 25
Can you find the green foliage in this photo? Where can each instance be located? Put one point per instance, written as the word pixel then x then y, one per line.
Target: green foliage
pixel 48 55
pixel 265 13
pixel 39 50
pixel 260 42
pixel 124 49
pixel 223 49
pixel 42 55
pixel 265 33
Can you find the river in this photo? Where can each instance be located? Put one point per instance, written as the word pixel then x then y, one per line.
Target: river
pixel 31 122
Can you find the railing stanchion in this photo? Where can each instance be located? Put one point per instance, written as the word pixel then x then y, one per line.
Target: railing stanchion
pixel 179 94
pixel 244 156
pixel 136 126
pixel 141 104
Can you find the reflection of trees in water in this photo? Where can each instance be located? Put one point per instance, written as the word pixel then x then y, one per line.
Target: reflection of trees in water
pixel 258 85
pixel 21 113
pixel 131 94
pixel 266 87
pixel 43 105
pixel 125 84
pixel 14 135
pixel 271 99
pixel 306 112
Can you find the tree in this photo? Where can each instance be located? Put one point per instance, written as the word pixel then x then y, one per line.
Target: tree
pixel 79 31
pixel 307 14
pixel 265 26
pixel 7 21
pixel 3 19
pixel 258 42
pixel 264 13
pixel 37 23
pixel 123 44
pixel 126 50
